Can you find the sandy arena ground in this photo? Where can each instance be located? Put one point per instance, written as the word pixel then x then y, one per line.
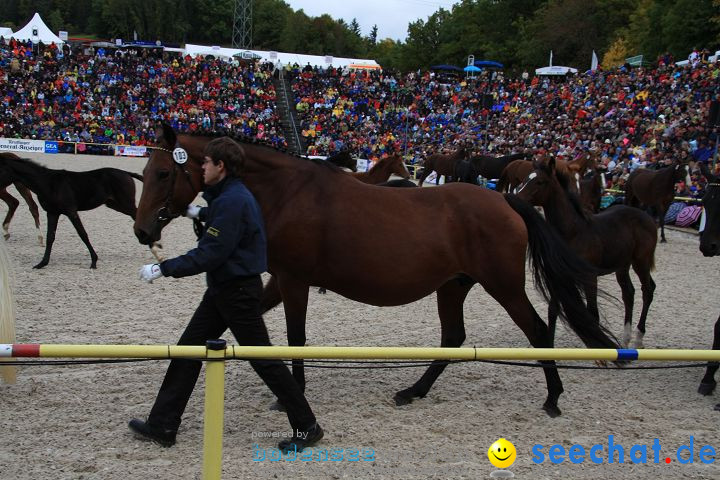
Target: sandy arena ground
pixel 70 422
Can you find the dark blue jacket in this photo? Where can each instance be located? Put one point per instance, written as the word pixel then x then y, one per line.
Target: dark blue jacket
pixel 233 244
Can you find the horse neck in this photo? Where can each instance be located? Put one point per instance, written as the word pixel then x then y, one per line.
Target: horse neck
pixel 380 172
pixel 562 214
pixel 28 173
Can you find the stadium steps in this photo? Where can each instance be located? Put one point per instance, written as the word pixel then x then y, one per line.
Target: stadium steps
pixel 286 111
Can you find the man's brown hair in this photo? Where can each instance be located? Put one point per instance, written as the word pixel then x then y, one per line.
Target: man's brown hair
pixel 228 151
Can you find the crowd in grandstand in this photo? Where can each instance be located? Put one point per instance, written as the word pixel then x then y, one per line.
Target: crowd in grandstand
pixel 632 116
pixel 107 97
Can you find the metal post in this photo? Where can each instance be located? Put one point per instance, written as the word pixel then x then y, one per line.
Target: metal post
pixel 214 410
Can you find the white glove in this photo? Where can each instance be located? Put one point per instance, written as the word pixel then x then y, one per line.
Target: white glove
pixel 193 211
pixel 150 272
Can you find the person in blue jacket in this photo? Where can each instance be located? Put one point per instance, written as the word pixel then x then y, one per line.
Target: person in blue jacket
pixel 232 252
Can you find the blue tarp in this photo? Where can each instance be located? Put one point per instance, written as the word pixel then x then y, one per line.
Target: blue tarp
pixel 488 64
pixel 446 67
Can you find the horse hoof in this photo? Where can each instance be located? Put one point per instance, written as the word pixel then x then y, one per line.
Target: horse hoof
pixel 40 265
pixel 404 397
pixel 662 240
pixel 552 410
pixel 6 236
pixel 706 388
pixel 717 407
pixel 276 406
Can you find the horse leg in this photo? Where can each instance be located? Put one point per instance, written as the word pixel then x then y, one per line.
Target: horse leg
pixel 425 173
pixel 648 291
pixel 628 296
pixel 295 297
pixel 707 384
pixel 75 219
pixel 525 317
pixel 32 206
pixel 52 221
pixel 662 213
pixel 450 298
pixel 270 297
pixel 12 204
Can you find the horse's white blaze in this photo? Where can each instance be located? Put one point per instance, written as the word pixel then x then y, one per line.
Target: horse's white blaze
pixel 530 178
pixel 604 182
pixel 7 310
pixel 688 182
pixel 627 335
pixel 577 181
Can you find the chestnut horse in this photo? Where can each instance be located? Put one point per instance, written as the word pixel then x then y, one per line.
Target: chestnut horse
pixel 442 164
pixel 710 247
pixel 613 241
pixel 656 189
pixel 381 171
pixel 517 171
pixel 323 227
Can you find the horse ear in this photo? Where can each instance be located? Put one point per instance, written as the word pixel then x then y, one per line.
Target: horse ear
pixel 551 163
pixel 166 136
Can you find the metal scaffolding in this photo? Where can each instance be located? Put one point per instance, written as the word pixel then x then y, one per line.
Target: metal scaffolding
pixel 242 24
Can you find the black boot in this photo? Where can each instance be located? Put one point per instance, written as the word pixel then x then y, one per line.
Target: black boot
pixel 301 440
pixel 146 431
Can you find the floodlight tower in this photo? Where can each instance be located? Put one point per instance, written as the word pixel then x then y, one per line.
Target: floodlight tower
pixel 242 24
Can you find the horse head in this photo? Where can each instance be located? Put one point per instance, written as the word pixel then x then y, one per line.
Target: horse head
pixel 172 179
pixel 536 187
pixel 399 168
pixel 710 234
pixel 343 159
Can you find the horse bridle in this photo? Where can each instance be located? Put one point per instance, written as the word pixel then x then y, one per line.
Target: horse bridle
pixel 180 158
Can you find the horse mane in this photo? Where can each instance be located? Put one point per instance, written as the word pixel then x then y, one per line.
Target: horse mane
pixel 245 139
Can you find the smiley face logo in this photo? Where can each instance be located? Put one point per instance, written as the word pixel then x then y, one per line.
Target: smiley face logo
pixel 502 453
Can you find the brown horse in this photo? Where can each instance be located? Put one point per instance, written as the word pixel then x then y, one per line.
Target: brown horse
pixel 381 171
pixel 323 227
pixel 612 241
pixel 655 189
pixel 66 193
pixel 517 171
pixel 591 189
pixel 710 247
pixel 343 159
pixel 13 204
pixel 442 164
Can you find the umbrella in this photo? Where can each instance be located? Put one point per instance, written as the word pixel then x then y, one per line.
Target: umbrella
pixel 488 64
pixel 446 67
pixel 472 68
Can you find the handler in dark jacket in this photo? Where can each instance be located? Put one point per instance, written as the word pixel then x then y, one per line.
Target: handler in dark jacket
pixel 232 251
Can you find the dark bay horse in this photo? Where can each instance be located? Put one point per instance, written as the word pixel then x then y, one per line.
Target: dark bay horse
pixel 61 192
pixel 323 227
pixel 613 241
pixel 591 189
pixel 383 169
pixel 442 164
pixel 710 247
pixel 655 189
pixel 343 159
pixel 487 167
pixel 13 204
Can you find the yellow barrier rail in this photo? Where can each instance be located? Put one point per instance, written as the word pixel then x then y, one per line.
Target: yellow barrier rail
pixel 217 352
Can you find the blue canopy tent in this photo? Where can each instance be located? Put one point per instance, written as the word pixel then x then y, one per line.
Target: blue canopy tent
pixel 472 68
pixel 488 64
pixel 450 68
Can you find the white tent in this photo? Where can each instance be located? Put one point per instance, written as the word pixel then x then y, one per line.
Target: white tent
pixel 555 70
pixel 5 32
pixel 283 58
pixel 37 31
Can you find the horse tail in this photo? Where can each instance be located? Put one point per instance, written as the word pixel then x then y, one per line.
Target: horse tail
pixel 7 311
pixel 560 274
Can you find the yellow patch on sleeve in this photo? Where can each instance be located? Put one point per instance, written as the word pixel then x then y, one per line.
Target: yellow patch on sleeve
pixel 213 231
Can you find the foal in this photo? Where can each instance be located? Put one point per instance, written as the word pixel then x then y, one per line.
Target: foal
pixel 61 192
pixel 612 241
